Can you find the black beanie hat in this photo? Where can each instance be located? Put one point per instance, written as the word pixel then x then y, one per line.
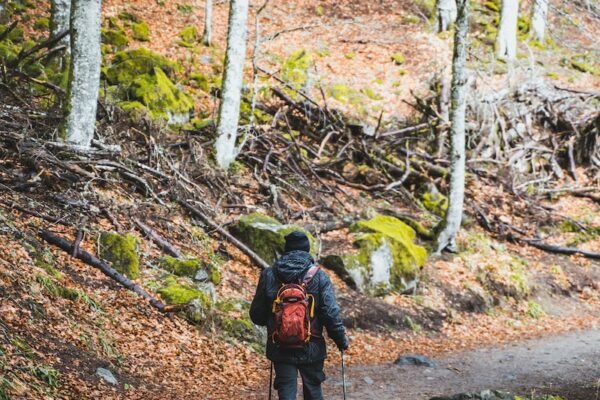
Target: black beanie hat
pixel 297 241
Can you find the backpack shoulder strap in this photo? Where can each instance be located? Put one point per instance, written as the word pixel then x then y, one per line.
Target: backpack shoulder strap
pixel 310 274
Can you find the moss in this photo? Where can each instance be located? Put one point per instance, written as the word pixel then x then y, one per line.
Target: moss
pixel 350 56
pixel 185 9
pixel 178 293
pixel 179 267
pixel 319 10
pixel 493 6
pixel 239 328
pixel 128 17
pixel 116 37
pixel 398 59
pixel 199 80
pixel 389 239
pixel 9 51
pixel 49 376
pixel 344 94
pixel 129 64
pixel 22 347
pixel 435 202
pixel 295 69
pixel 427 7
pixel 534 310
pixel 121 252
pixel 141 31
pixel 189 36
pixel 266 235
pixel 370 93
pixel 57 289
pixel 132 106
pixel 411 19
pixel 162 98
pixel 42 24
pixel 584 63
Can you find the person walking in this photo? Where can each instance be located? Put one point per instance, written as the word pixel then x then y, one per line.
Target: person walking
pixel 294 299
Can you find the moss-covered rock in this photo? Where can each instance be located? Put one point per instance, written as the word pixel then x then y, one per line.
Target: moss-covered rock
pixel 116 37
pixel 266 236
pixel 174 292
pixel 129 64
pixel 121 251
pixel 387 259
pixel 141 31
pixel 192 268
pixel 435 202
pixel 199 80
pixel 163 99
pixel 190 37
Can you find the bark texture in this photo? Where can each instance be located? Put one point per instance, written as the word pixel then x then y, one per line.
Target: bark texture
pixel 453 218
pixel 60 20
pixel 506 42
pixel 207 35
pixel 84 75
pixel 539 17
pixel 229 110
pixel 446 14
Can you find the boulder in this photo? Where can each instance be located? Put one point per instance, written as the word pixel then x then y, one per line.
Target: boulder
pixel 266 236
pixel 192 268
pixel 181 291
pixel 416 360
pixel 121 252
pixel 386 257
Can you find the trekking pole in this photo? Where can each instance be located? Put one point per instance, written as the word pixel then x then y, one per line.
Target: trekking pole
pixel 270 380
pixel 343 375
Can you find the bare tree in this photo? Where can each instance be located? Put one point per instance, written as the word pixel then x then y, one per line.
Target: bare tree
pixel 453 218
pixel 506 41
pixel 539 17
pixel 446 14
pixel 60 20
pixel 231 93
pixel 84 74
pixel 207 35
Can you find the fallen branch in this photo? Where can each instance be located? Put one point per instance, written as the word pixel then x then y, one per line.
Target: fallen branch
pixel 158 239
pixel 253 256
pixel 102 266
pixel 561 249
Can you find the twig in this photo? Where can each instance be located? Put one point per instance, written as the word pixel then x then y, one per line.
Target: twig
pixel 160 241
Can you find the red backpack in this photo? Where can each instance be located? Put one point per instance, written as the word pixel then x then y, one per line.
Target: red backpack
pixel 294 308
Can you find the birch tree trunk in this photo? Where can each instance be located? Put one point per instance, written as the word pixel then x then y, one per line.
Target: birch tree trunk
pixel 231 93
pixel 539 17
pixel 453 218
pixel 446 14
pixel 84 74
pixel 207 35
pixel 506 42
pixel 60 20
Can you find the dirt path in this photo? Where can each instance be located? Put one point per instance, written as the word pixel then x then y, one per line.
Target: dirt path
pixel 567 365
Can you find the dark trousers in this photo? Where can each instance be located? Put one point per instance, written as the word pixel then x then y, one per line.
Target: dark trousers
pixel 286 376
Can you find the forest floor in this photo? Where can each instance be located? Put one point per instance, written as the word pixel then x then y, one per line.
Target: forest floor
pixel 61 320
pixel 567 365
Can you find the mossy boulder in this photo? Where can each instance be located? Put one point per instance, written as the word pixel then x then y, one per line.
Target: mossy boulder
pixel 435 202
pixel 141 81
pixel 116 37
pixel 387 259
pixel 129 64
pixel 121 250
pixel 181 291
pixel 192 268
pixel 266 236
pixel 189 36
pixel 141 31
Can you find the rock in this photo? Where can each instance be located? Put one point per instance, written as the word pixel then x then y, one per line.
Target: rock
pixel 107 376
pixel 416 360
pixel 387 259
pixel 179 291
pixel 121 252
pixel 434 201
pixel 484 395
pixel 201 276
pixel 206 59
pixel 192 268
pixel 197 310
pixel 368 380
pixel 209 289
pixel 266 236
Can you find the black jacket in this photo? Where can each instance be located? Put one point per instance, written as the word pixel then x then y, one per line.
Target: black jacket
pixel 292 267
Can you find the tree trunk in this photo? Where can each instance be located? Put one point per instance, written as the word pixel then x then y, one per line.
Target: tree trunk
pixel 453 218
pixel 84 74
pixel 538 20
pixel 207 35
pixel 60 20
pixel 446 14
pixel 229 111
pixel 506 42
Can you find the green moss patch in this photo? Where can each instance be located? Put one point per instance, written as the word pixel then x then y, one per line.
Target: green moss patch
pixel 294 69
pixel 435 202
pixel 141 31
pixel 116 37
pixel 129 64
pixel 121 252
pixel 387 259
pixel 398 59
pixel 266 236
pixel 190 37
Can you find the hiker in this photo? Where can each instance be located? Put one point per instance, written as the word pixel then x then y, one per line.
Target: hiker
pixel 295 300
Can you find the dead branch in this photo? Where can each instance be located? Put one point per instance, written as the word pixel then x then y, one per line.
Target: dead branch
pixel 561 249
pixel 160 241
pixel 102 266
